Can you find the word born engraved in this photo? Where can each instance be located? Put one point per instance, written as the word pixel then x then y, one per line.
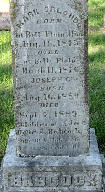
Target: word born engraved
pixel 61 14
pixel 50 179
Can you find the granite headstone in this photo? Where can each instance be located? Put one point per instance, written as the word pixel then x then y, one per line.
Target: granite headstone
pixel 49 42
pixel 52 149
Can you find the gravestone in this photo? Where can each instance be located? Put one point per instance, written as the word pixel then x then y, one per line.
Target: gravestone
pixel 51 78
pixel 52 148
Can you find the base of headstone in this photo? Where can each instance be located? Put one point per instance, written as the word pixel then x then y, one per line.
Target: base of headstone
pixel 52 174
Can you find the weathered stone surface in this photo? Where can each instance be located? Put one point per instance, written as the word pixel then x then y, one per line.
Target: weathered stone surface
pixel 1 188
pixel 49 40
pixel 103 170
pixel 50 65
pixel 52 174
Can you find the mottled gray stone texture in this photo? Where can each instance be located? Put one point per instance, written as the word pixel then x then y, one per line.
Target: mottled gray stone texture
pixel 50 67
pixel 52 148
pixel 52 174
pixel 1 187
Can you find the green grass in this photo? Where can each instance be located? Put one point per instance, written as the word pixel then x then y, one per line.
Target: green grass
pixel 96 13
pixel 97 78
pixel 6 91
pixel 97 69
pixel 5 46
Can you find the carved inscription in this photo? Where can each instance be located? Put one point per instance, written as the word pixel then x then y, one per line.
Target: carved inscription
pixel 51 79
pixel 52 179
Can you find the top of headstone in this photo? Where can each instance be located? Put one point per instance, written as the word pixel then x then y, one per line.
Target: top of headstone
pixel 50 59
